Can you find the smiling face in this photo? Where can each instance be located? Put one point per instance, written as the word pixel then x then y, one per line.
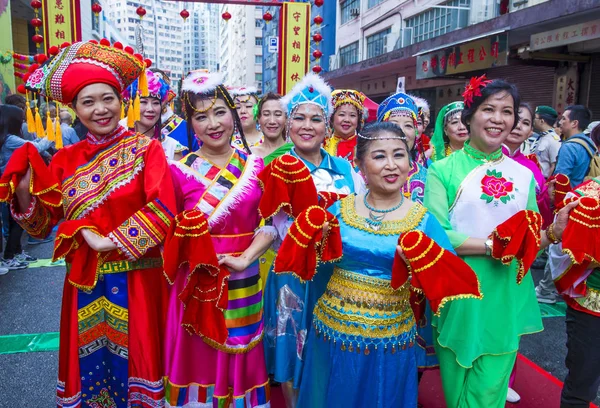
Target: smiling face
pixel 385 165
pixel 345 121
pixel 272 119
pixel 492 122
pixel 214 127
pixel 99 108
pixel 456 131
pixel 407 124
pixel 308 128
pixel 522 131
pixel 150 110
pixel 245 109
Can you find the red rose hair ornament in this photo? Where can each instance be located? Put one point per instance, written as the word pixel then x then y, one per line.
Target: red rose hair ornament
pixel 518 237
pixel 438 274
pixel 473 89
pixel 305 244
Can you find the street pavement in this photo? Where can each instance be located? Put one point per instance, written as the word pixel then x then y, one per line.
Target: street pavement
pixel 30 303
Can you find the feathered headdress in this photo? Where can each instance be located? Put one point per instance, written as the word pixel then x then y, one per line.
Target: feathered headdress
pixel 311 89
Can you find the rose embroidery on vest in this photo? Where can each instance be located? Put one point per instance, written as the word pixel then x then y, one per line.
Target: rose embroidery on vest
pixel 496 187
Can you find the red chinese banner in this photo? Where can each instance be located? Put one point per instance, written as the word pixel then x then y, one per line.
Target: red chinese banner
pixel 62 22
pixel 295 44
pixel 472 56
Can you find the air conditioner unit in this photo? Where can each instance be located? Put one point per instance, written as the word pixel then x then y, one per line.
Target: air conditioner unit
pixel 354 12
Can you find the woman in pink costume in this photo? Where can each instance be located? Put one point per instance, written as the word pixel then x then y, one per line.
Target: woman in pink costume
pixel 220 181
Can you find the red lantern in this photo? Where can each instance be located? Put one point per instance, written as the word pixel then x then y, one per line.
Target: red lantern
pixel 96 9
pixel 318 20
pixel 226 16
pixel 184 14
pixel 140 11
pixel 317 69
pixel 36 4
pixel 319 3
pixel 317 54
pixel 317 37
pixel 38 39
pixel 36 22
pixel 267 17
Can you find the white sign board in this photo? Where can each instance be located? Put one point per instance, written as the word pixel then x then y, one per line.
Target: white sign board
pixel 565 35
pixel 273 44
pixel 401 85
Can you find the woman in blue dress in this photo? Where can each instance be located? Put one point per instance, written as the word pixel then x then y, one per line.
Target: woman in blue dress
pixel 362 352
pixel 288 302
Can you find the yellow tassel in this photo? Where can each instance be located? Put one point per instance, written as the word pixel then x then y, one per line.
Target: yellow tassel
pixel 39 126
pixel 122 110
pixel 49 127
pixel 29 116
pixel 143 84
pixel 58 135
pixel 173 105
pixel 130 118
pixel 136 107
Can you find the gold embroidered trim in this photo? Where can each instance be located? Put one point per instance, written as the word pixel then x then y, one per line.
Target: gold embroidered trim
pixel 409 222
pixel 591 300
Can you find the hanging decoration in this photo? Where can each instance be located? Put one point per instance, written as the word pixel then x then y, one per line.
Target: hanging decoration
pixel 184 14
pixel 97 9
pixel 141 12
pixel 268 17
pixel 36 22
pixel 226 16
pixel 319 3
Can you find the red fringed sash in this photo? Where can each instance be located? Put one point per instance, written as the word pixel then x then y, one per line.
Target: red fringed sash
pixel 305 245
pixel 581 242
pixel 43 185
pixel 327 199
pixel 287 184
pixel 562 186
pixel 518 237
pixel 438 274
pixel 205 295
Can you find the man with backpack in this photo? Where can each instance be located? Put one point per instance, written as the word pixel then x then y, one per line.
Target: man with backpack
pixel 578 150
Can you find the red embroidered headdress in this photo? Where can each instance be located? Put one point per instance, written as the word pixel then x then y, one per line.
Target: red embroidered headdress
pixel 473 89
pixel 84 63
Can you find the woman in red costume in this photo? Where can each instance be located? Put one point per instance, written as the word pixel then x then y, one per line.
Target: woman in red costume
pixel 116 196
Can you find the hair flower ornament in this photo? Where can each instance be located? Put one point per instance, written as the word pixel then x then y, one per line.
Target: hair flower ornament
pixel 473 89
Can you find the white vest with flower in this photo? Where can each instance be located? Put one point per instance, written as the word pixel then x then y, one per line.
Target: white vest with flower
pixel 489 195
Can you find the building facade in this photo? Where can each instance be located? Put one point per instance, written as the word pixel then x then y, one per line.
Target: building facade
pixel 201 37
pixel 162 32
pixel 435 46
pixel 241 46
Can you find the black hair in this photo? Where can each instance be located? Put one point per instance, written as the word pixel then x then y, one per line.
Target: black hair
pixel 189 100
pixel 117 94
pixel 526 106
pixel 493 88
pixel 547 118
pixel 16 100
pixel 370 133
pixel 271 96
pixel 11 120
pixel 358 112
pixel 581 114
pixel 595 136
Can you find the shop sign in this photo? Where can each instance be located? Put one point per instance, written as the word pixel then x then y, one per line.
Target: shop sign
pixel 295 44
pixel 486 53
pixel 62 22
pixel 565 35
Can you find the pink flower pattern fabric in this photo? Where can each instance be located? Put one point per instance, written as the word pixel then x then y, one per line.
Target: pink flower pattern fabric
pixel 496 187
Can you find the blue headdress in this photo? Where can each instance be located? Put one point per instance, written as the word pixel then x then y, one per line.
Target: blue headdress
pixel 311 89
pixel 399 102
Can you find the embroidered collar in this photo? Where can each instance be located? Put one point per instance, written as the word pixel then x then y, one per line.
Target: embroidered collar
pixel 481 156
pixel 328 163
pixel 547 132
pixel 95 140
pixel 341 139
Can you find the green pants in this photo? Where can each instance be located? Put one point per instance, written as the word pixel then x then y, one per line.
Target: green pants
pixel 484 385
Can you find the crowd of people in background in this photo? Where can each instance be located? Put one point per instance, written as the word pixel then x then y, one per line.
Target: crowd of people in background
pixel 256 241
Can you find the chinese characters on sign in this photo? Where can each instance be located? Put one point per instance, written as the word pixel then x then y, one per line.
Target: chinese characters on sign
pixel 472 56
pixel 565 35
pixel 295 44
pixel 61 22
pixel 566 88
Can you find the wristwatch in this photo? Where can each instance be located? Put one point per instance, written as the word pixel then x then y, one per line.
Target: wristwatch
pixel 488 247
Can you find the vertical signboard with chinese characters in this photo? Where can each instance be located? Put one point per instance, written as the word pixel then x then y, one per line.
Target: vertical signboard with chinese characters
pixel 295 44
pixel 472 56
pixel 567 83
pixel 62 22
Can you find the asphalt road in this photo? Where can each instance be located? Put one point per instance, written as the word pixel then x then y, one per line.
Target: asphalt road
pixel 30 303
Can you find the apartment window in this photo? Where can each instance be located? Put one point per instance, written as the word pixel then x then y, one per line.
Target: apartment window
pixel 376 43
pixel 373 3
pixel 349 54
pixel 258 23
pixel 258 59
pixel 350 10
pixel 258 41
pixel 438 21
pixel 258 77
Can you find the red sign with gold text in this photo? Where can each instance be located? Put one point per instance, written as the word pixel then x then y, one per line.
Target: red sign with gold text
pixel 295 44
pixel 62 22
